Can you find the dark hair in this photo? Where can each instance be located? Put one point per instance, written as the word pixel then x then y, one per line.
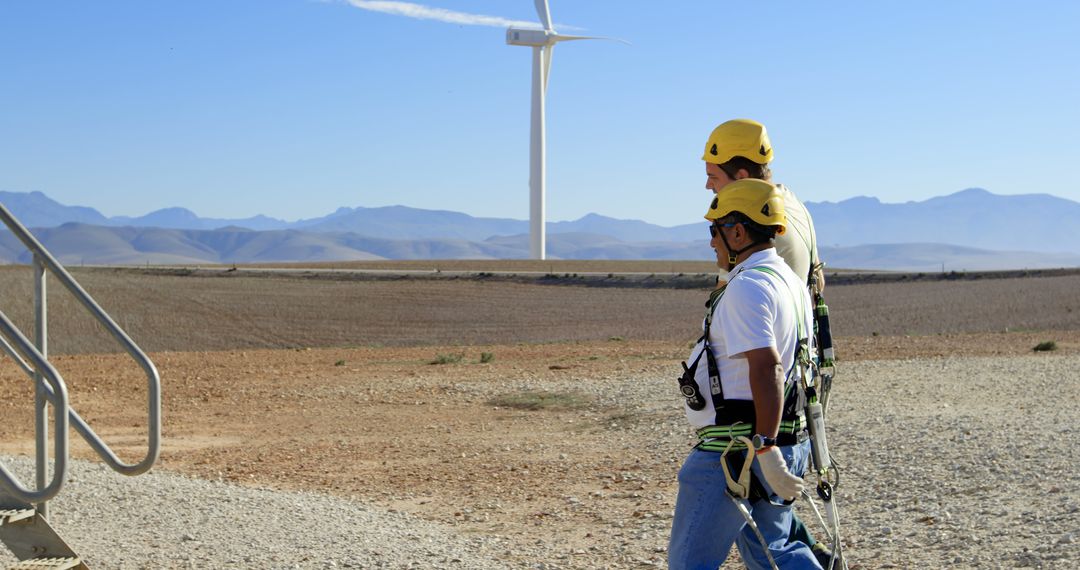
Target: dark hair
pixel 753 169
pixel 757 232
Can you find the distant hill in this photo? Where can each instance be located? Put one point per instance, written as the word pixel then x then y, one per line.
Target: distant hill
pixel 184 219
pixel 77 244
pixel 400 222
pixel 966 230
pixel 972 218
pixel 36 210
pixel 937 257
pixel 627 230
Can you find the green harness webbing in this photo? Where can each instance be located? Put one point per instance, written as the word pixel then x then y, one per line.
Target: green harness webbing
pixel 716 438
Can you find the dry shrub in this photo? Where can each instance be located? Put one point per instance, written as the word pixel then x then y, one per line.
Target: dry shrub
pixel 539 400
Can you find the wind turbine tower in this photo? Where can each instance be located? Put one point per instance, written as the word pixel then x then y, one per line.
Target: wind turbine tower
pixel 543 43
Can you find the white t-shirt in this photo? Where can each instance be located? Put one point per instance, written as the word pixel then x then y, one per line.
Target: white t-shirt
pixel 757 310
pixel 798 244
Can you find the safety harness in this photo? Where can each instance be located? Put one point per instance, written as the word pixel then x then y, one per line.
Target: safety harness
pixel 736 418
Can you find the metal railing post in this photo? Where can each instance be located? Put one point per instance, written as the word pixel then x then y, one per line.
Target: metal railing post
pixel 41 411
pixel 49 387
pixel 56 393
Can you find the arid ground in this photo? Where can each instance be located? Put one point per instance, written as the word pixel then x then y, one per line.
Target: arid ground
pixel 494 406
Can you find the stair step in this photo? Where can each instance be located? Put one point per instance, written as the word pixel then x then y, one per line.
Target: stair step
pixel 31 539
pixel 12 515
pixel 46 564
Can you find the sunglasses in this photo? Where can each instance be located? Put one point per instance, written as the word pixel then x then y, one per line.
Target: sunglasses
pixel 714 228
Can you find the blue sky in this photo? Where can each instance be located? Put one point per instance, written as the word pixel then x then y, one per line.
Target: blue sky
pixel 292 108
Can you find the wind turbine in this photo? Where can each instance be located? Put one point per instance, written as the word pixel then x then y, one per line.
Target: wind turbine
pixel 543 43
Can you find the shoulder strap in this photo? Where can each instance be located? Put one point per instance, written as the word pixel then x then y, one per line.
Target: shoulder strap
pixel 710 306
pixel 716 386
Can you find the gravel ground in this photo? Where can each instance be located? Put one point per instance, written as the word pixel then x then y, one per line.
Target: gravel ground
pixel 960 462
pixel 163 520
pixel 965 462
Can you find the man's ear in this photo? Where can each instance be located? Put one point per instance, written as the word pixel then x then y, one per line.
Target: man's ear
pixel 741 174
pixel 740 229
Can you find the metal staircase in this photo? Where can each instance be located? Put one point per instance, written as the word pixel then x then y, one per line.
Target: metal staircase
pixel 24 526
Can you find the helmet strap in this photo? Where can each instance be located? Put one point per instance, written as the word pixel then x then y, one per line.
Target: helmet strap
pixel 733 254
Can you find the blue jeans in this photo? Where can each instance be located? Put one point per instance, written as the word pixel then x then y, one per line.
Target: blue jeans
pixel 707 523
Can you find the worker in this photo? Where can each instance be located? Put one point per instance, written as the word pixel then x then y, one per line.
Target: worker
pixel 742 382
pixel 739 149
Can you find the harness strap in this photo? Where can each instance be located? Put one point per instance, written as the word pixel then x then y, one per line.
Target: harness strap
pixel 716 386
pixel 717 438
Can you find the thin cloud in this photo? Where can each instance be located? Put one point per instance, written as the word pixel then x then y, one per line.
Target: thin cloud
pixel 420 12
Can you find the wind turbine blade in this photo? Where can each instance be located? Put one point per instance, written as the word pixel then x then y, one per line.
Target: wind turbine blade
pixel 562 38
pixel 544 13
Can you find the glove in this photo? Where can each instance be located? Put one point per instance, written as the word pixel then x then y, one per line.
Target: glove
pixel 783 483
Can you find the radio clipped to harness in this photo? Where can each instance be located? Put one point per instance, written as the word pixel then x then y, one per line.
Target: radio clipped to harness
pixel 689 389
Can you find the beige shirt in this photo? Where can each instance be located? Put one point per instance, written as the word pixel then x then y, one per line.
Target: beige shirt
pixel 798 245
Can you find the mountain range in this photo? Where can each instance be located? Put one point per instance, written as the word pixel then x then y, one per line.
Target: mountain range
pixel 969 230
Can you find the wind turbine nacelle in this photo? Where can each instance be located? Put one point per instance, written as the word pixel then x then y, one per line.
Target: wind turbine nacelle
pixel 528 37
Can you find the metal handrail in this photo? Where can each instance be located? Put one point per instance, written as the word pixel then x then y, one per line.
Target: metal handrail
pixel 49 263
pixel 58 396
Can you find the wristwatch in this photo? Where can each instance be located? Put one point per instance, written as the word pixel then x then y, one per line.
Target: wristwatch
pixel 761 442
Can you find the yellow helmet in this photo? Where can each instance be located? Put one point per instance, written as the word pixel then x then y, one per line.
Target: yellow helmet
pixel 756 199
pixel 738 137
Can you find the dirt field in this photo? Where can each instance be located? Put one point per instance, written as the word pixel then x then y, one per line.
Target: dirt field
pixel 332 386
pixel 248 310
